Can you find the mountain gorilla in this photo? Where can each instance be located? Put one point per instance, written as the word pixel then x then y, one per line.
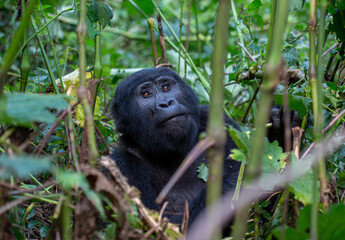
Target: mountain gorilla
pixel 159 119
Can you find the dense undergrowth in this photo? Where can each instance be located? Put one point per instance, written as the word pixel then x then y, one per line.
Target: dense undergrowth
pixel 56 128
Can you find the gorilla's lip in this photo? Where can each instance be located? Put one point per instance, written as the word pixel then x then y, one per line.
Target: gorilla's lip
pixel 165 120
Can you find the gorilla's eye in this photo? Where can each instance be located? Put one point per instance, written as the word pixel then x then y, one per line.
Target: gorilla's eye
pixel 166 87
pixel 145 94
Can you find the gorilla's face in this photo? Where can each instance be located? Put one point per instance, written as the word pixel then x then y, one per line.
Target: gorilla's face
pixel 159 112
pixel 160 100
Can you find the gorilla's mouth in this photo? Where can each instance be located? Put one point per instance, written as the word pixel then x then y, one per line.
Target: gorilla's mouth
pixel 173 118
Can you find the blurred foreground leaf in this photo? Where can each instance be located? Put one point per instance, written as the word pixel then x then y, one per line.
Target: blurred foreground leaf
pixel 330 225
pixel 70 180
pixel 303 186
pixel 23 109
pixel 21 166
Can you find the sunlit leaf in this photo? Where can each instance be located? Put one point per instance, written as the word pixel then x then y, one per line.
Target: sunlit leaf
pixel 203 172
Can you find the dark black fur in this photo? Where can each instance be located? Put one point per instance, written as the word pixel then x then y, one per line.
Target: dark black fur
pixel 157 132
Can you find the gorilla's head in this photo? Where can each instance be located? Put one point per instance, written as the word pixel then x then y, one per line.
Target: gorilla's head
pixel 156 112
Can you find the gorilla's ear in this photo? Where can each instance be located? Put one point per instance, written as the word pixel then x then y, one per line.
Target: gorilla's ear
pixel 114 109
pixel 116 114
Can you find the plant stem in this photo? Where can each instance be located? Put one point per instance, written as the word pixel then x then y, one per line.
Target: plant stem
pixel 89 150
pixel 150 22
pixel 201 77
pixel 53 49
pixel 180 40
pixel 239 31
pixel 10 54
pixel 98 68
pixel 271 78
pixel 25 64
pixel 320 117
pixel 215 125
pixel 45 57
pixel 315 96
pixel 40 30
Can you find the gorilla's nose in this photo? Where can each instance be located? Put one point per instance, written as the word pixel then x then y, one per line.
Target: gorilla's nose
pixel 165 103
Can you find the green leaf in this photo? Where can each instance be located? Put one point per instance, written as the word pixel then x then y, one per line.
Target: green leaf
pixel 91 28
pixel 203 172
pixel 291 56
pixel 296 4
pixel 241 139
pixel 303 186
pixel 273 155
pixel 21 166
pixel 291 234
pixel 337 26
pixel 301 104
pixel 259 21
pixel 146 6
pixel 331 224
pixel 239 155
pixel 330 98
pixel 341 180
pixel 100 11
pixel 23 109
pixel 70 179
pixel 255 4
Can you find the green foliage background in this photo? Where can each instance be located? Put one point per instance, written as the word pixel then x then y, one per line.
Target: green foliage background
pixel 126 48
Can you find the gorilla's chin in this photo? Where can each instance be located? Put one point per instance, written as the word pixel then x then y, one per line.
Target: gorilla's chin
pixel 177 120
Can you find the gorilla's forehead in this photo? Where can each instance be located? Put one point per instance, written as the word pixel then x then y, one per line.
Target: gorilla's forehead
pixel 128 86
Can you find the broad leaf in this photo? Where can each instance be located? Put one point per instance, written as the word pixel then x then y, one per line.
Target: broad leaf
pixel 303 186
pixel 23 109
pixel 301 104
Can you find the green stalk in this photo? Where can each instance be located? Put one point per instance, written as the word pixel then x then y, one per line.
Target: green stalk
pixel 66 217
pixel 45 57
pixel 197 32
pixel 98 68
pixel 271 78
pixel 40 30
pixel 82 91
pixel 201 77
pixel 206 39
pixel 53 48
pixel 315 96
pixel 186 43
pixel 239 31
pixel 151 22
pixel 180 40
pixel 25 64
pixel 272 20
pixel 81 34
pixel 215 124
pixel 26 214
pixel 98 53
pixel 320 117
pixel 10 54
